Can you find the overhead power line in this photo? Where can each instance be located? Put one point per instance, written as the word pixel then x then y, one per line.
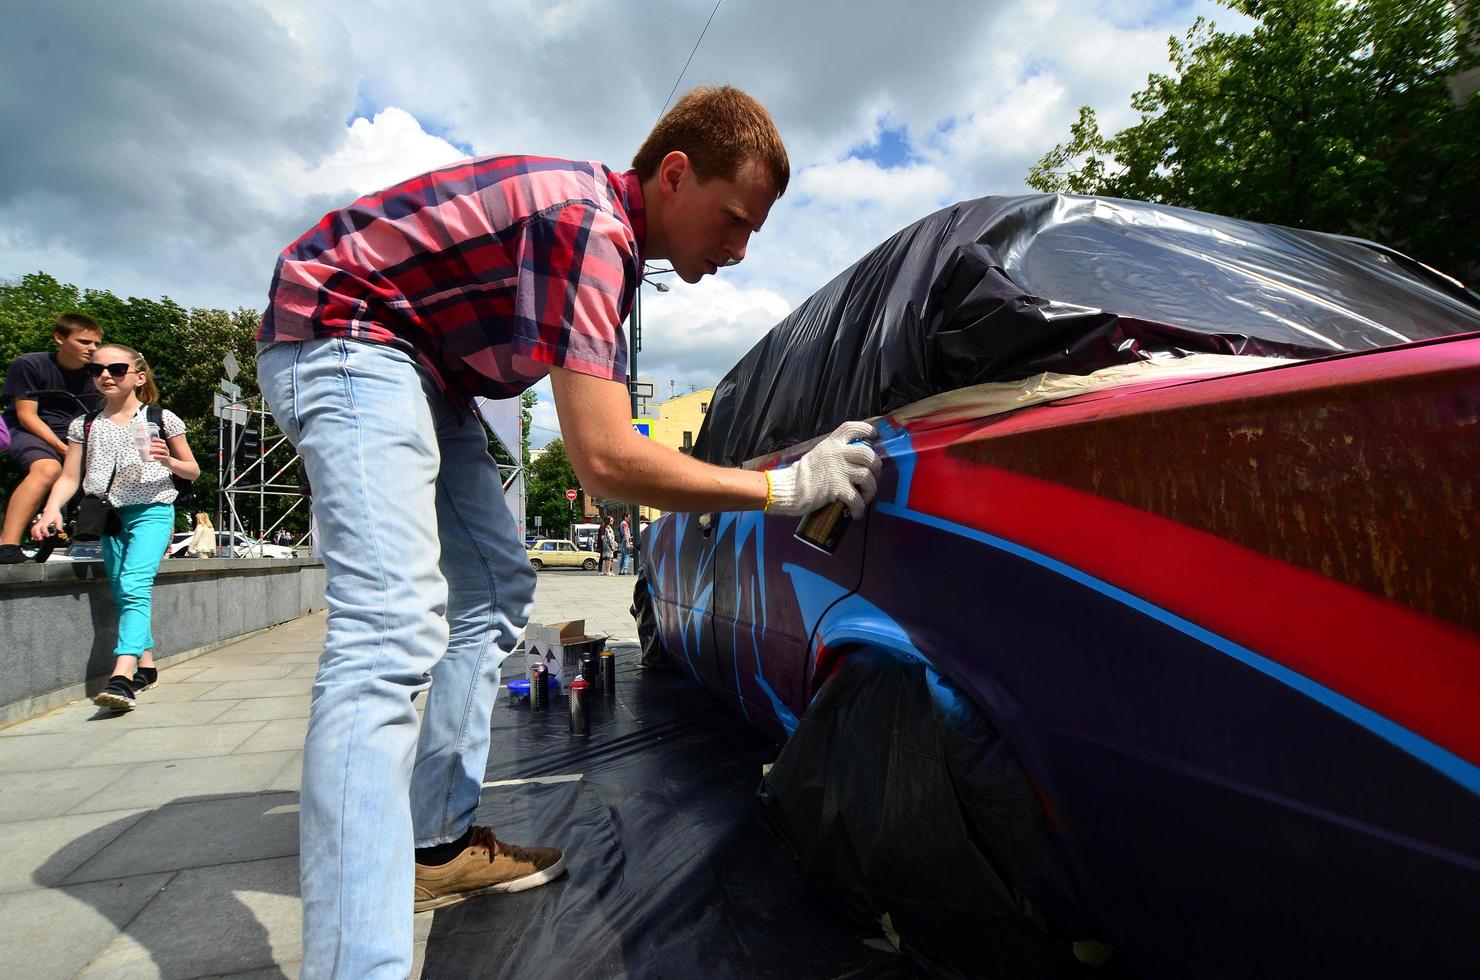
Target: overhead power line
pixel 691 58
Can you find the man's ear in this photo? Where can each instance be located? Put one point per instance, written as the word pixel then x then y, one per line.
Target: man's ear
pixel 671 172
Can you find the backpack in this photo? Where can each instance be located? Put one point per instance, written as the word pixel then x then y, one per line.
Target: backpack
pixel 184 489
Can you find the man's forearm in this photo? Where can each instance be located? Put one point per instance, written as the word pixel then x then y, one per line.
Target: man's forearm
pixel 25 414
pixel 644 472
pixel 614 461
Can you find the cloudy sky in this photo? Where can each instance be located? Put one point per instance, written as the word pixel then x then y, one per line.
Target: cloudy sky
pixel 164 147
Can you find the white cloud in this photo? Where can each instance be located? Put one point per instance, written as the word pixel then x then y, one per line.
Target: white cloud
pixel 854 181
pixel 378 153
pixel 694 334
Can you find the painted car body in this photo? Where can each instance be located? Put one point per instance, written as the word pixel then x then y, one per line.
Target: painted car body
pixel 1229 624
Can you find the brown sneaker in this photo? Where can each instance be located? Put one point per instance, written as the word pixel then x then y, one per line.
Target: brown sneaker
pixel 486 866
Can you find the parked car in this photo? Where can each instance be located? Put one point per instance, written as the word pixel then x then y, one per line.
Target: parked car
pixel 553 553
pixel 234 544
pixel 1144 644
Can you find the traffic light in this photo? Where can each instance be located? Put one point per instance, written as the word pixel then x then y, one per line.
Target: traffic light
pixel 248 448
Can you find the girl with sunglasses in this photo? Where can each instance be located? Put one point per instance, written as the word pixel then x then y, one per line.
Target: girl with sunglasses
pixel 141 491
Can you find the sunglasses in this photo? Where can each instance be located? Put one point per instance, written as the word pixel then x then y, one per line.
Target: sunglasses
pixel 118 370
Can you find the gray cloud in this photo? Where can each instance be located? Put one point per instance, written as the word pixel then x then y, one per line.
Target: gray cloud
pixel 143 138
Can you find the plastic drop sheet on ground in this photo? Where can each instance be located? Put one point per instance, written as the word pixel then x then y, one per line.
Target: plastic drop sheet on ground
pixel 671 873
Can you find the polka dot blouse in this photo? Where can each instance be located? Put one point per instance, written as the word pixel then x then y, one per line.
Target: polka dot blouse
pixel 111 448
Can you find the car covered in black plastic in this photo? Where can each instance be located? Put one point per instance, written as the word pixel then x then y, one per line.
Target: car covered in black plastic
pixel 1161 636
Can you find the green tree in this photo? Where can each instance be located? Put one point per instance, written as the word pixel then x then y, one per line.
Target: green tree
pixel 549 476
pixel 1333 115
pixel 526 419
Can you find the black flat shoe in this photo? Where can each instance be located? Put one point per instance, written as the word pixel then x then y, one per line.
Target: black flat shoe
pixel 118 695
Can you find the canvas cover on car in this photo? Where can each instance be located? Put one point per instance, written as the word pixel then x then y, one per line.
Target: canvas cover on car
pixel 1002 288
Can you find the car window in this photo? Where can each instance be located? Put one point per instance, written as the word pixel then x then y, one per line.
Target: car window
pixel 548 546
pixel 567 546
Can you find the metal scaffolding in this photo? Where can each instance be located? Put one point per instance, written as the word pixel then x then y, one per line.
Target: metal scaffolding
pixel 243 485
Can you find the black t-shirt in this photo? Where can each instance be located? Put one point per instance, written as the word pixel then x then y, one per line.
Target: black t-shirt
pixel 33 373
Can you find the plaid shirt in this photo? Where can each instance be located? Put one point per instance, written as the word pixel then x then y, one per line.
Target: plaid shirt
pixel 489 272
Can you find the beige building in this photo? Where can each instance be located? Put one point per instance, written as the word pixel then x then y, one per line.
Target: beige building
pixel 676 424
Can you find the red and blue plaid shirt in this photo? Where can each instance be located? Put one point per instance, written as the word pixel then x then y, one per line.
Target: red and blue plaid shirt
pixel 489 272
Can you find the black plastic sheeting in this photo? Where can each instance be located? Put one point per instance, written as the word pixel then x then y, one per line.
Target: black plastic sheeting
pixel 672 873
pixel 1002 288
pixel 898 797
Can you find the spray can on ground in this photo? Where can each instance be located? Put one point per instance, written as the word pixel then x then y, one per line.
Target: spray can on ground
pixel 580 707
pixel 588 668
pixel 608 673
pixel 539 688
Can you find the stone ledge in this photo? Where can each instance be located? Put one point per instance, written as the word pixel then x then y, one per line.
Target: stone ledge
pixel 30 573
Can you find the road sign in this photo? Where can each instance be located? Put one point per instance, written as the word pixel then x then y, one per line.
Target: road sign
pixel 644 427
pixel 232 391
pixel 570 495
pixel 223 408
pixel 232 367
pixel 537 519
pixel 642 389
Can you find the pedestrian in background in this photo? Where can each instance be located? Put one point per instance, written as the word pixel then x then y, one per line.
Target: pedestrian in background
pixel 202 541
pixel 132 469
pixel 624 545
pixel 608 545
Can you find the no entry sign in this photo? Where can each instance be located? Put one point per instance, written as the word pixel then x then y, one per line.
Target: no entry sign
pixel 570 495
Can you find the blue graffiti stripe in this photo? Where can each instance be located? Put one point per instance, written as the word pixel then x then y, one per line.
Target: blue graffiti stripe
pixel 783 714
pixel 813 593
pixel 899 447
pixel 1451 765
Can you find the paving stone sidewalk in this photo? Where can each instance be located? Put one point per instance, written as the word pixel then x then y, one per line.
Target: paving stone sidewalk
pixel 163 842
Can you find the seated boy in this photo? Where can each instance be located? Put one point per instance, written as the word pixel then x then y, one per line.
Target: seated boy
pixel 44 392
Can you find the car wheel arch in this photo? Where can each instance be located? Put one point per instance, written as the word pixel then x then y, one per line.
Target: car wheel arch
pixel 858 641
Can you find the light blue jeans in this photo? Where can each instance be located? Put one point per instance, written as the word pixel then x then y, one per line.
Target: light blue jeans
pixel 427 584
pixel 131 558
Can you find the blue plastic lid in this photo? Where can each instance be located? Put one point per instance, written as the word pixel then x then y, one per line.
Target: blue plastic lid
pixel 520 688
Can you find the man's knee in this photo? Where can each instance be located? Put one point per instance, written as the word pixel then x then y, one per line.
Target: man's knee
pixel 44 471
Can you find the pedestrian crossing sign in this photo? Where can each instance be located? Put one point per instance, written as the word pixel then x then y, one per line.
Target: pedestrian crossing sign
pixel 644 427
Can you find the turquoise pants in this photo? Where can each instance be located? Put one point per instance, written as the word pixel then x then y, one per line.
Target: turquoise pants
pixel 131 559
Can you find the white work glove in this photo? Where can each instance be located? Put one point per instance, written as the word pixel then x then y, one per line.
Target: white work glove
pixel 834 469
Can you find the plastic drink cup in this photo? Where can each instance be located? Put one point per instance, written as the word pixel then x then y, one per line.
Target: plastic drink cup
pixel 144 440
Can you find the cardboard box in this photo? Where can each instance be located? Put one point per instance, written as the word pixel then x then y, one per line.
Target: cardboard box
pixel 559 647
